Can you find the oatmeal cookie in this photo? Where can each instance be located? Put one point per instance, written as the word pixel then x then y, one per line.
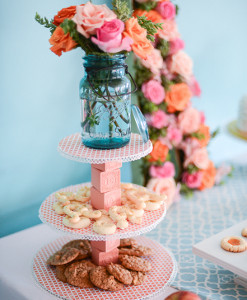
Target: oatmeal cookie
pixel 120 273
pixel 138 277
pixel 136 250
pixel 127 243
pixel 135 263
pixel 102 279
pixel 83 246
pixel 63 256
pixel 60 272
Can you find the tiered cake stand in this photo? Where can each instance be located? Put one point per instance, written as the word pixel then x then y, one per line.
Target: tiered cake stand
pixel 105 192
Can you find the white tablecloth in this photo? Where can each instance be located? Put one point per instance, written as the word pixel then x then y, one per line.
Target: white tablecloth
pixel 16 254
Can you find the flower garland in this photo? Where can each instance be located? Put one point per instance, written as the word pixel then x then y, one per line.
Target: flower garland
pixel 177 130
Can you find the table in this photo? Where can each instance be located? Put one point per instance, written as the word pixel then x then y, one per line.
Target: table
pixel 17 251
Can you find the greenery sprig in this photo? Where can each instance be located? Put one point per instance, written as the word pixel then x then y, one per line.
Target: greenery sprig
pixel 147 6
pixel 45 22
pixel 150 26
pixel 121 9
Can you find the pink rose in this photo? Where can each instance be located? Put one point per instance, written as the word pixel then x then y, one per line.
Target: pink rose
pixel 154 61
pixel 169 30
pixel 194 87
pixel 203 118
pixel 167 170
pixel 180 63
pixel 199 158
pixel 193 181
pixel 159 119
pixel 162 186
pixel 89 17
pixel 166 9
pixel 153 91
pixel 189 120
pixel 109 37
pixel 175 46
pixel 174 135
pixel 164 71
pixel 189 145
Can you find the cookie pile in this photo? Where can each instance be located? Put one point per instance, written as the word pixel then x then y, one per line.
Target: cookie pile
pixel 78 213
pixel 73 266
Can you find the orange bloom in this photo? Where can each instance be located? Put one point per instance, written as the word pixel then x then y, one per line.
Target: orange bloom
pixel 178 97
pixel 205 130
pixel 208 177
pixel 61 42
pixel 141 45
pixel 159 152
pixel 151 15
pixel 65 13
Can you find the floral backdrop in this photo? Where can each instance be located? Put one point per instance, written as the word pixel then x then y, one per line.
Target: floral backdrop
pixel 179 161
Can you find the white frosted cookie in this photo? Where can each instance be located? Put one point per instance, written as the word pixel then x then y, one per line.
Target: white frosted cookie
pixel 82 223
pixel 233 244
pixel 244 232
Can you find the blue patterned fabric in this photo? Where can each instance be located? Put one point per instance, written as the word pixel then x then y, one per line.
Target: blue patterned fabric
pixel 193 220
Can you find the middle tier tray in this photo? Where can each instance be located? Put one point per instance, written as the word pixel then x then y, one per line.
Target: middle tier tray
pixel 48 216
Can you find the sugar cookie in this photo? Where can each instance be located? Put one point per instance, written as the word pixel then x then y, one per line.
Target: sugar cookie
pixel 233 244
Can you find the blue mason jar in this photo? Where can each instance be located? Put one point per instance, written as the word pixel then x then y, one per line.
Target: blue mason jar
pixel 105 95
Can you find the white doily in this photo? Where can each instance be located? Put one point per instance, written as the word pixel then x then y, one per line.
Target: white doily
pixel 48 216
pixel 71 147
pixel 164 269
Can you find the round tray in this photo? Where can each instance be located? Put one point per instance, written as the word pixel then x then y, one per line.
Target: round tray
pixel 48 216
pixel 71 147
pixel 164 269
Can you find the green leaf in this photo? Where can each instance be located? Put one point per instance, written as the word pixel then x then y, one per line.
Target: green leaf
pixel 147 6
pixel 151 27
pixel 186 190
pixel 45 22
pixel 215 133
pixel 142 74
pixel 198 135
pixel 177 9
pixel 166 83
pixel 121 9
pixel 192 169
pixel 164 47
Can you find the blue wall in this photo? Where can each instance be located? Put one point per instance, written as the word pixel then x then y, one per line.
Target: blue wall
pixel 39 96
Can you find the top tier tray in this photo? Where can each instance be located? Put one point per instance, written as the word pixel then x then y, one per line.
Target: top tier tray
pixel 72 148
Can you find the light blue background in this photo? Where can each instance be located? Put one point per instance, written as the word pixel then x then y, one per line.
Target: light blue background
pixel 39 96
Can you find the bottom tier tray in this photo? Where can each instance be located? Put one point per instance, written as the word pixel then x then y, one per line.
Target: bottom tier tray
pixel 164 269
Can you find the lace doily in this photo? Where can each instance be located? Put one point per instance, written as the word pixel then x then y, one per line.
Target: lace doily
pixel 48 216
pixel 72 148
pixel 164 269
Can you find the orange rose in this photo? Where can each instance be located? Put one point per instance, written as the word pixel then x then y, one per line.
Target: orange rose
pixel 208 177
pixel 159 152
pixel 178 98
pixel 141 45
pixel 205 130
pixel 151 15
pixel 61 42
pixel 65 13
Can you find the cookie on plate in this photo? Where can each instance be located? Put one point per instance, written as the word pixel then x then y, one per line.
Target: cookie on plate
pixel 138 277
pixel 60 272
pixel 136 250
pixel 135 263
pixel 82 245
pixel 77 274
pixel 127 242
pixel 102 279
pixel 233 244
pixel 63 256
pixel 120 273
pixel 244 232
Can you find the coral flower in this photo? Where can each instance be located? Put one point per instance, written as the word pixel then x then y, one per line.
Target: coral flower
pixel 159 152
pixel 178 97
pixel 208 177
pixel 151 15
pixel 61 42
pixel 65 13
pixel 205 131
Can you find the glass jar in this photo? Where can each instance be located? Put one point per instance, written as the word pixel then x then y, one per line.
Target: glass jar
pixel 105 93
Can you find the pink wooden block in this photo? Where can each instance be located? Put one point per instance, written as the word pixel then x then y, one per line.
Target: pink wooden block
pixel 101 258
pixel 105 200
pixel 111 165
pixel 105 246
pixel 105 181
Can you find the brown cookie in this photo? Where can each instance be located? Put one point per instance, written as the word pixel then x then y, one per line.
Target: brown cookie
pixel 63 256
pixel 60 272
pixel 136 250
pixel 127 243
pixel 120 273
pixel 137 277
pixel 77 273
pixel 135 263
pixel 102 279
pixel 83 245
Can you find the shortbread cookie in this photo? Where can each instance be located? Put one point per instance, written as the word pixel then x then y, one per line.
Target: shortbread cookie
pixel 136 250
pixel 82 245
pixel 127 242
pixel 120 273
pixel 135 263
pixel 77 274
pixel 60 273
pixel 82 223
pixel 244 232
pixel 63 256
pixel 102 279
pixel 233 244
pixel 138 277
